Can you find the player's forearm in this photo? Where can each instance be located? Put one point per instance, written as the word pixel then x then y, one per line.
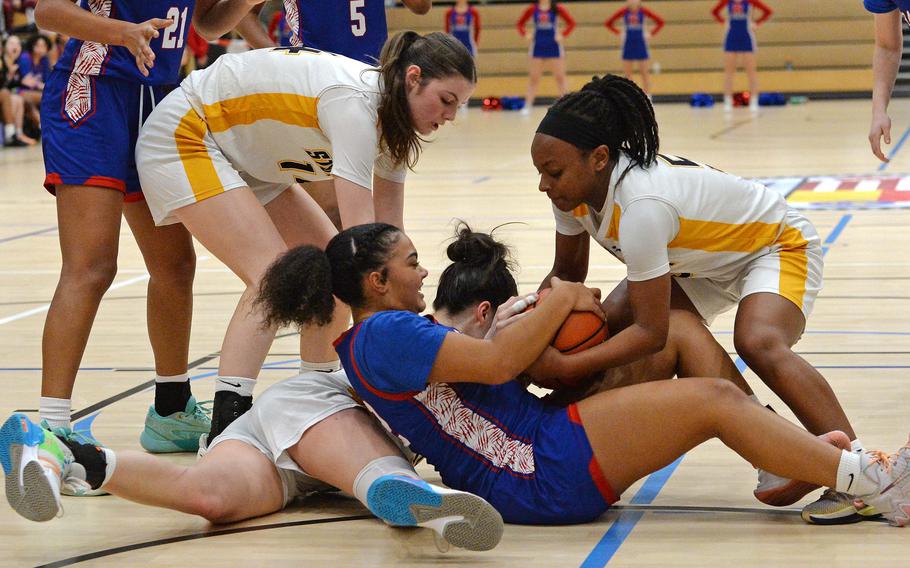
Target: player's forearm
pixel 214 18
pixel 631 344
pixel 252 31
pixel 64 17
pixel 885 64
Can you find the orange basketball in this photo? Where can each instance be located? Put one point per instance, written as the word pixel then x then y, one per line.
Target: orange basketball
pixel 580 331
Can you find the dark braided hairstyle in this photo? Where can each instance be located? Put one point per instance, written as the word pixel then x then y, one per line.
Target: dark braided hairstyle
pixel 620 114
pixel 439 55
pixel 298 288
pixel 480 270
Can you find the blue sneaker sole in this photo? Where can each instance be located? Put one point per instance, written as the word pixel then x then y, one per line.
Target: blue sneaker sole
pixel 31 494
pixel 154 443
pixel 402 501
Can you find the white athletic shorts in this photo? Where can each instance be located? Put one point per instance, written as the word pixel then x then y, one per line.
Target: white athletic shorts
pixel 282 414
pixel 179 162
pixel 792 269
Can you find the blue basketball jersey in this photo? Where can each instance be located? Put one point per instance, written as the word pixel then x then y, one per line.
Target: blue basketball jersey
pixel 97 59
pixel 531 461
pixel 354 28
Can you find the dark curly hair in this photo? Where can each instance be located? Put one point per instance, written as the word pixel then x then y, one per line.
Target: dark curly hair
pixel 480 270
pixel 620 112
pixel 298 288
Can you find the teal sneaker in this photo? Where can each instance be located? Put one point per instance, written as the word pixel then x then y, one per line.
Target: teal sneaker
pixel 74 483
pixel 34 463
pixel 177 432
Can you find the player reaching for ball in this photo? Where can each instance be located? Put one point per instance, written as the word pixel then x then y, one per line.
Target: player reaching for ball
pixel 450 393
pixel 692 237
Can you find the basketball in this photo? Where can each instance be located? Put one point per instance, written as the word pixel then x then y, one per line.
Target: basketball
pixel 580 331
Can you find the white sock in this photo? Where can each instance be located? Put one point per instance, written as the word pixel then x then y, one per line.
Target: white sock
pixel 56 411
pixel 388 465
pixel 9 130
pixel 850 476
pixel 182 378
pixel 239 385
pixel 110 459
pixel 326 367
pixel 857 447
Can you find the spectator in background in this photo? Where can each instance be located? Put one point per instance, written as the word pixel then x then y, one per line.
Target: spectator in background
pixel 635 38
pixel 740 43
pixel 35 67
pixel 13 7
pixel 463 22
pixel 12 104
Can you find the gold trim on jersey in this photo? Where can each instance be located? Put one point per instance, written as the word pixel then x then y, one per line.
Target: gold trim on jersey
pixel 713 236
pixel 197 163
pixel 296 110
pixel 794 265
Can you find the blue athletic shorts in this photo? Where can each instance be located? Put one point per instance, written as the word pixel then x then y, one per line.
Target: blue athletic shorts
pixel 635 49
pixel 568 485
pixel 549 49
pixel 89 127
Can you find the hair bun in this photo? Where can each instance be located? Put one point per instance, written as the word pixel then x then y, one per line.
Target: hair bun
pixel 475 248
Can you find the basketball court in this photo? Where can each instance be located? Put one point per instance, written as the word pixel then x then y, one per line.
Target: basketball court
pixel 698 512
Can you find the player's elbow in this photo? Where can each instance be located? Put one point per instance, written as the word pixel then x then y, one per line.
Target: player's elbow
pixel 208 32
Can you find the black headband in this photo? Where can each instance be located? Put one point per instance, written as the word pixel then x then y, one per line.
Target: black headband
pixel 580 133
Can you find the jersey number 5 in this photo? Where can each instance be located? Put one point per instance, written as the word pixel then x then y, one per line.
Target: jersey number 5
pixel 358 20
pixel 171 38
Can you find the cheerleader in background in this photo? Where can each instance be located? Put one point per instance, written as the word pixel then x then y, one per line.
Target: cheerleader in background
pixel 635 39
pixel 463 22
pixel 546 45
pixel 740 40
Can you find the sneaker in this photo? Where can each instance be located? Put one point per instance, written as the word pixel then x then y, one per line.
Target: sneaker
pixel 228 406
pixel 74 484
pixel 779 491
pixel 836 508
pixel 892 474
pixel 177 432
pixel 34 462
pixel 461 519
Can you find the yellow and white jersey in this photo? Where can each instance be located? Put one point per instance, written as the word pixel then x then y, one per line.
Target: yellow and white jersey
pixel 293 114
pixel 686 219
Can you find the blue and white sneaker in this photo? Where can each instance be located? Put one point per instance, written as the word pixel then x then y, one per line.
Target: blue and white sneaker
pixel 34 463
pixel 462 519
pixel 177 432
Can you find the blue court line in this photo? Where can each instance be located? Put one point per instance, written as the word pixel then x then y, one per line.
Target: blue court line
pixel 622 526
pixel 883 165
pixel 30 234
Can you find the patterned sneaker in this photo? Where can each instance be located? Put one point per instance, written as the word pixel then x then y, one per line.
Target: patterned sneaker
pixel 836 508
pixel 74 484
pixel 892 474
pixel 462 519
pixel 780 492
pixel 34 462
pixel 177 432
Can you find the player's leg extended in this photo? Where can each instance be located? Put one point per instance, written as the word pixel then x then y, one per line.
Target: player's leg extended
pixel 349 450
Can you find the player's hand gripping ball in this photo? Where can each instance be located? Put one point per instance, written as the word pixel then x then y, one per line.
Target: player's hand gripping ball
pixel 580 331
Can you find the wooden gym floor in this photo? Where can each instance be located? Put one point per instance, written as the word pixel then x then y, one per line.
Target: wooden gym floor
pixel 701 513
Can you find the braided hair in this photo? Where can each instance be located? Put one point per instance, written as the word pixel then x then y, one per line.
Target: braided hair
pixel 619 115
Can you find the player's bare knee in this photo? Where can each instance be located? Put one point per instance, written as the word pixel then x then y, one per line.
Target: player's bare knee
pixel 758 346
pixel 177 271
pixel 94 278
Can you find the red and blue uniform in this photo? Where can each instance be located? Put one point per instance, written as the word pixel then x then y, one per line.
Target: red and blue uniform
pixel 531 461
pixel 544 44
pixel 885 6
pixel 465 26
pixel 634 45
pixel 353 28
pixel 96 99
pixel 739 37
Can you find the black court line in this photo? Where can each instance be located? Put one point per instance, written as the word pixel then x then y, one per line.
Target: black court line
pixel 208 534
pixel 731 128
pixel 150 383
pixel 195 536
pixel 29 234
